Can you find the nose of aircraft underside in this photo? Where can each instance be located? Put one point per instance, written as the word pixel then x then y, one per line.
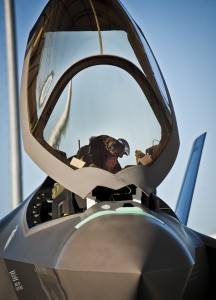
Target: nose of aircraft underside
pixel 124 257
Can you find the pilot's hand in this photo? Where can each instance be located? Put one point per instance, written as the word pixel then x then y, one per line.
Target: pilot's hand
pixel 139 154
pixel 145 160
pixel 142 159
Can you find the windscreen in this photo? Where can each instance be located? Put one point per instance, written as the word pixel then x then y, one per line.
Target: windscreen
pixel 63 49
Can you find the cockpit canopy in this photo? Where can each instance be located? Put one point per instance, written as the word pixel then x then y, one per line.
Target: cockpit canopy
pixel 94 99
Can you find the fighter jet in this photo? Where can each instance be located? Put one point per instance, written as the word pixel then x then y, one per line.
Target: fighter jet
pixel 97 118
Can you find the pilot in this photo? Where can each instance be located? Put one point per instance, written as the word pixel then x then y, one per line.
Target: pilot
pixel 104 151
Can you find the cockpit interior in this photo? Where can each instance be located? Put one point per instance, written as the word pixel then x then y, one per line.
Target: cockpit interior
pixel 53 201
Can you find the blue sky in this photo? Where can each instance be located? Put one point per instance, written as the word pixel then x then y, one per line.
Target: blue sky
pixel 182 35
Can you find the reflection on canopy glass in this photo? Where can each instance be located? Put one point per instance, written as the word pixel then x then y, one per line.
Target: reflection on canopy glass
pixel 73 46
pixel 104 104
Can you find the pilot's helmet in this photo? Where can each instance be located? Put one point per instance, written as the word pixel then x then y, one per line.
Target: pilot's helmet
pixel 113 146
pixel 104 146
pixel 126 146
pixel 105 150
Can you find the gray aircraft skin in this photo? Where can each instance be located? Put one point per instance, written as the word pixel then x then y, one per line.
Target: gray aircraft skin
pixel 98 119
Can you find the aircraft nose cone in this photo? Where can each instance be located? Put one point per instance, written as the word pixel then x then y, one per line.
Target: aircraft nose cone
pixel 124 257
